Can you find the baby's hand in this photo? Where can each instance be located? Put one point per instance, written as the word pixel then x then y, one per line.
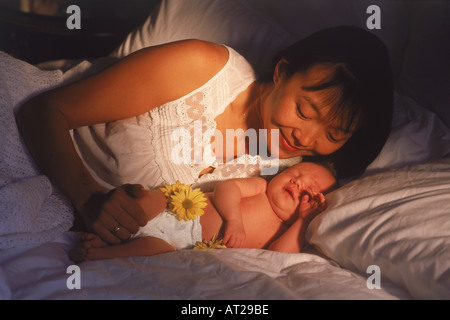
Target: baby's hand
pixel 234 235
pixel 310 206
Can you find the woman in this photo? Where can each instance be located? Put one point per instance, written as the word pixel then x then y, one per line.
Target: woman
pixel 330 95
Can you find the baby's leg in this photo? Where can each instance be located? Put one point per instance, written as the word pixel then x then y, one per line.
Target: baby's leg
pixel 93 248
pixel 138 247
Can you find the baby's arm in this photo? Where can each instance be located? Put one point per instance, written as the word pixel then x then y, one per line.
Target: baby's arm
pixel 294 237
pixel 227 198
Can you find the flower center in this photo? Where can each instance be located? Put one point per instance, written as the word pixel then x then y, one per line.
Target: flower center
pixel 187 203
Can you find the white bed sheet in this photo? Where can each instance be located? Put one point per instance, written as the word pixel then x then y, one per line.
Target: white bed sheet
pixel 40 272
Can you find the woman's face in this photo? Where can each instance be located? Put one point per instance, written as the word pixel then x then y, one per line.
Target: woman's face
pixel 285 190
pixel 302 116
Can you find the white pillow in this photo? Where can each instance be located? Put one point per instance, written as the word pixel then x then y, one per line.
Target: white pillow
pixel 399 220
pixel 226 22
pixel 417 136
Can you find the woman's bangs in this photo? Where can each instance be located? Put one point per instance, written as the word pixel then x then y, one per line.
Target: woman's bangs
pixel 340 95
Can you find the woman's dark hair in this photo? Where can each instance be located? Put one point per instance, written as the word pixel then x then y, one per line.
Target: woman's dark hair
pixel 364 101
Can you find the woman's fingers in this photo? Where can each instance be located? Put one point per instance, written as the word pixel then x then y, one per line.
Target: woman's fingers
pixel 126 211
pixel 115 216
pixel 106 228
pixel 131 207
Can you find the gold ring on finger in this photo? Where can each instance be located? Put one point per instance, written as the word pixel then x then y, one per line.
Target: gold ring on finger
pixel 116 229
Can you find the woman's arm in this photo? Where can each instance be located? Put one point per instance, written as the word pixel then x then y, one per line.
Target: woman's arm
pixel 135 85
pixel 227 198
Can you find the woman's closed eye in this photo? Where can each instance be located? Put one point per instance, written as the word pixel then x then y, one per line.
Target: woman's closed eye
pixel 301 114
pixel 337 136
pixel 332 138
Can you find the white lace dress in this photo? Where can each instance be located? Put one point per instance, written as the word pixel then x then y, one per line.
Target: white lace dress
pixel 173 142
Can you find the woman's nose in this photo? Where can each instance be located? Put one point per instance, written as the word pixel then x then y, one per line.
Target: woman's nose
pixel 304 138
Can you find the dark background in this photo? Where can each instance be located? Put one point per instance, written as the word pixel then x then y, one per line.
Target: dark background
pixel 36 31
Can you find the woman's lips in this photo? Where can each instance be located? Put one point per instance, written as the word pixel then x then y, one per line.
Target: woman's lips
pixel 286 144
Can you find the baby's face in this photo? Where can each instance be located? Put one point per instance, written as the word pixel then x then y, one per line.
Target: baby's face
pixel 286 189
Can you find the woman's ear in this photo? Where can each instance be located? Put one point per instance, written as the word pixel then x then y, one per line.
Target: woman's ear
pixel 280 70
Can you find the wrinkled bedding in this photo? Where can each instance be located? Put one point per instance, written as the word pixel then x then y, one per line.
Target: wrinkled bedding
pixel 237 274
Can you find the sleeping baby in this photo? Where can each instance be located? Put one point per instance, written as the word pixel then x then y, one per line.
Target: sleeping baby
pixel 245 213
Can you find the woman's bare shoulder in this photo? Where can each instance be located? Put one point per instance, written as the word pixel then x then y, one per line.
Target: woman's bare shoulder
pixel 177 68
pixel 198 51
pixel 191 58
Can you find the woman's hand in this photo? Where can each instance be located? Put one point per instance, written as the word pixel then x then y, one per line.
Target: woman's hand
pixel 116 215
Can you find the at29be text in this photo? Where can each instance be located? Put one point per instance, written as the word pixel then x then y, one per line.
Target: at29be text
pixel 230 309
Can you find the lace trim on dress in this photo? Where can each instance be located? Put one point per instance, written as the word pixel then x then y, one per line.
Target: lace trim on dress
pixel 201 109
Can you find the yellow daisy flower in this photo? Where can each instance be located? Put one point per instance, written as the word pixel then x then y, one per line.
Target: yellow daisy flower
pixel 214 243
pixel 169 190
pixel 188 204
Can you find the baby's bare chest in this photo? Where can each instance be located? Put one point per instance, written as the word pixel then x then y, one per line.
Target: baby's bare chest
pixel 261 224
